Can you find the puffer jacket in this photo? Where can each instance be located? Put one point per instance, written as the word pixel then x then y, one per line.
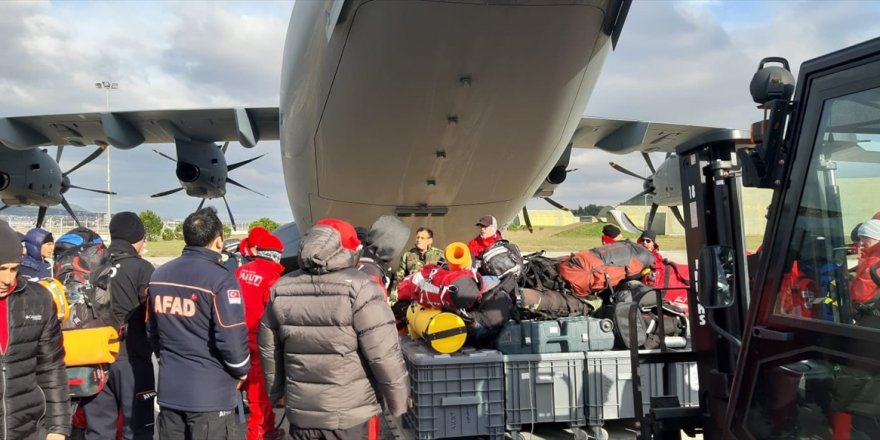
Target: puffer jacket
pixel 328 340
pixel 33 265
pixel 32 369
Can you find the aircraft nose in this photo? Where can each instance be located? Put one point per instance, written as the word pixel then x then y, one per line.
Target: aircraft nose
pixel 187 172
pixel 4 181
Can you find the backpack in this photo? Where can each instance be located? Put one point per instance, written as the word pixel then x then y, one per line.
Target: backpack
pixel 435 287
pixel 85 269
pixel 550 304
pixel 604 267
pixel 502 258
pixel 539 273
pixel 644 298
pixel 485 321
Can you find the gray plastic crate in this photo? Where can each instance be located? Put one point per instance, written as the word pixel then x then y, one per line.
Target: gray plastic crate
pixel 544 388
pixel 609 385
pixel 563 335
pixel 457 395
pixel 685 383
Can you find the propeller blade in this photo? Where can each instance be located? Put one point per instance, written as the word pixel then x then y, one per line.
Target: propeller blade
pixel 58 153
pixel 228 180
pixel 647 191
pixel 164 155
pixel 88 159
pixel 70 210
pixel 4 207
pixel 202 203
pixel 231 219
pixel 625 171
pixel 556 204
pixel 648 161
pixel 41 215
pixel 99 191
pixel 527 220
pixel 651 215
pixel 242 163
pixel 677 213
pixel 165 193
pixel 571 170
pixel 225 146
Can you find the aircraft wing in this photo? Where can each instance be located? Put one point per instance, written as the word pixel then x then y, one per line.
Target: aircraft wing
pixel 622 136
pixel 131 128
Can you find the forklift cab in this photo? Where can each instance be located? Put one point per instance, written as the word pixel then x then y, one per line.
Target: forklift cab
pixel 794 352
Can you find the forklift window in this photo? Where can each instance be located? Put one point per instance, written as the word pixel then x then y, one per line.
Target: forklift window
pixel 829 277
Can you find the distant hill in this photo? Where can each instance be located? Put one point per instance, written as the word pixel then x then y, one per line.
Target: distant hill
pixel 31 211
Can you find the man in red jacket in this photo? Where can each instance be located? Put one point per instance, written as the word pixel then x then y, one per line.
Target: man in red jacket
pixel 488 235
pixel 256 279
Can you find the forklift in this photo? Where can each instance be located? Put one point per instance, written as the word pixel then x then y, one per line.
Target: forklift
pixel 786 338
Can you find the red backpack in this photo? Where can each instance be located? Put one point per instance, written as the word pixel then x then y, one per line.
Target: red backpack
pixel 439 288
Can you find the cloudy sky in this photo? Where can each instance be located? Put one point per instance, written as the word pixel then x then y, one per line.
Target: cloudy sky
pixel 681 62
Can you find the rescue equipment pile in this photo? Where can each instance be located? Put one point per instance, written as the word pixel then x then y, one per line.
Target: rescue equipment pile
pixel 507 300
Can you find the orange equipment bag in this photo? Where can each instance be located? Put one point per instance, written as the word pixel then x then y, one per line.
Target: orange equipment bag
pixel 597 269
pixel 90 346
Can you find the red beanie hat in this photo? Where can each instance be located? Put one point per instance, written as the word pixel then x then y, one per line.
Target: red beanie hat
pixel 346 232
pixel 255 234
pixel 267 241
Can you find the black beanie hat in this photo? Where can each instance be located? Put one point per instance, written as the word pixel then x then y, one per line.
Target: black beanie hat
pixel 10 244
pixel 127 226
pixel 611 231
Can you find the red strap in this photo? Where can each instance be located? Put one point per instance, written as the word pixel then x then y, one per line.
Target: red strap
pixel 841 426
pixel 4 323
pixel 375 427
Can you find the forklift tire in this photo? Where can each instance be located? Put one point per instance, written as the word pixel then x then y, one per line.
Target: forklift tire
pixel 517 435
pixel 579 434
pixel 599 433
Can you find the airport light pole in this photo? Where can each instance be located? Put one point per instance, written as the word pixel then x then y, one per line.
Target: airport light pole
pixel 107 86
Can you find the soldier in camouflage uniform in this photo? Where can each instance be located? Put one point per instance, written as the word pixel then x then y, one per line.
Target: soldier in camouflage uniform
pixel 423 253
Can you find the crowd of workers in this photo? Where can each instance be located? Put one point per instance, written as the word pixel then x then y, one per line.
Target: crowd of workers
pixel 321 340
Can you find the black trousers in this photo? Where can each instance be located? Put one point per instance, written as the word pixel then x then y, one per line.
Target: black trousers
pixel 215 425
pixel 130 389
pixel 357 432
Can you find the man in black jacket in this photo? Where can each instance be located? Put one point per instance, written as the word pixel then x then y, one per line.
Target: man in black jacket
pixel 197 329
pixel 131 386
pixel 34 395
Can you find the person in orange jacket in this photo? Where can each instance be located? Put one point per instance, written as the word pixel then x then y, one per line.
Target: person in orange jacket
pixel 256 279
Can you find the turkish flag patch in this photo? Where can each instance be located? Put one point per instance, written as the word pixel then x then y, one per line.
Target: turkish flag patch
pixel 234 296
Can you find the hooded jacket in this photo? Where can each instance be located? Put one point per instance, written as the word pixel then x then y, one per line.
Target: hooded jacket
pixel 328 339
pixel 33 374
pixel 33 265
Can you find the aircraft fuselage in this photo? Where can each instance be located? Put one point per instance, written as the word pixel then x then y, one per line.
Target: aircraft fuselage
pixel 438 112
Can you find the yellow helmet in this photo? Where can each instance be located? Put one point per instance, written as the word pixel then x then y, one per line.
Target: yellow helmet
pixel 59 295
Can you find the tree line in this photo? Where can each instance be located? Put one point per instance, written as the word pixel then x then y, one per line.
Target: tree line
pixel 156 229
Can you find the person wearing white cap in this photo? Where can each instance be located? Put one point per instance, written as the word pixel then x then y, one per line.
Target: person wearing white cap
pixel 862 287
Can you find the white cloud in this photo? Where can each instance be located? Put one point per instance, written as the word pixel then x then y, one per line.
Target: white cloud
pixel 163 55
pixel 685 62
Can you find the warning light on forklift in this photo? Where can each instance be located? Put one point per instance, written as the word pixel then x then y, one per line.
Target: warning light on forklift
pixel 772 82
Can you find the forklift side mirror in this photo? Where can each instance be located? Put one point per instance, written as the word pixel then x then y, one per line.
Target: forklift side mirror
pixel 716 277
